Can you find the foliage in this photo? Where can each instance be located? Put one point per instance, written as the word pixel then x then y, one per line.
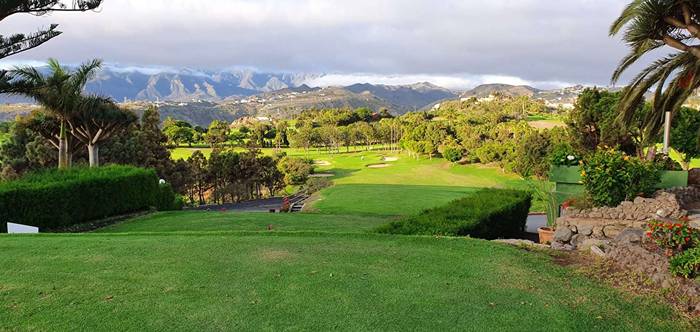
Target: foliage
pixel 646 26
pixel 453 154
pixel 564 155
pixel 686 264
pixel 488 214
pixel 593 123
pixel 611 177
pixel 685 132
pixel 167 199
pixel 60 198
pixel 673 236
pixel 544 191
pixel 296 170
pixel 20 42
pixel 314 185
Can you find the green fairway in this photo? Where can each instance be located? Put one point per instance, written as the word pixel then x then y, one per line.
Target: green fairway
pixel 202 221
pixel 223 281
pixel 387 200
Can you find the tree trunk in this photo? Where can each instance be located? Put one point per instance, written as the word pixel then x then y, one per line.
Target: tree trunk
pixel 63 148
pixel 93 155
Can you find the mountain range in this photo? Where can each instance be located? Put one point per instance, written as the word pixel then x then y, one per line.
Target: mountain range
pixel 203 96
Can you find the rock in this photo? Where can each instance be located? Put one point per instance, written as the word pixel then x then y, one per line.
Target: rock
pixel 573 229
pixel 595 215
pixel 577 239
pixel 694 224
pixel 562 234
pixel 630 235
pixel 520 243
pixel 598 231
pixel 639 200
pixel 612 231
pixel 595 250
pixel 588 243
pixel 586 230
pixel 663 213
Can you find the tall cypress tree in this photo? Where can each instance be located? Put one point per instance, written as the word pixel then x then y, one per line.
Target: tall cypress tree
pixel 20 42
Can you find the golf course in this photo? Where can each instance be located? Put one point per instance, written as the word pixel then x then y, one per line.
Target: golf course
pixel 324 268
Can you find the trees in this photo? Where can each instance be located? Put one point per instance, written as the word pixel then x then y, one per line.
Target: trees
pixel 60 92
pixel 649 25
pixel 594 122
pixel 218 133
pixel 179 132
pixel 685 132
pixel 96 120
pixel 19 42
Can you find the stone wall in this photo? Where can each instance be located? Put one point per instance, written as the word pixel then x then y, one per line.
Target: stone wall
pixel 580 229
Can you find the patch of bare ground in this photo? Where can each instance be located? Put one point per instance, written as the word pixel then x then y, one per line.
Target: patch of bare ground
pixel 378 165
pixel 321 175
pixel 273 256
pixel 631 282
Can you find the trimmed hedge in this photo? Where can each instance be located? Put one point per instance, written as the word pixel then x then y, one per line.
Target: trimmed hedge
pixel 487 214
pixel 56 199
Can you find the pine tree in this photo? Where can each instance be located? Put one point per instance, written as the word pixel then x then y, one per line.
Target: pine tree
pixel 20 42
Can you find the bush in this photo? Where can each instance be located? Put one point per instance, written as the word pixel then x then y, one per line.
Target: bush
pixel 611 177
pixel 564 155
pixel 56 199
pixel 296 170
pixel 452 154
pixel 488 214
pixel 674 236
pixel 317 184
pixel 686 264
pixel 167 200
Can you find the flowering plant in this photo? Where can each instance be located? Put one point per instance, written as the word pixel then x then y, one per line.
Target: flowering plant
pixel 674 236
pixel 563 156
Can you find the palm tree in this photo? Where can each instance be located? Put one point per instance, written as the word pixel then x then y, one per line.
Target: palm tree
pixel 60 92
pixel 649 25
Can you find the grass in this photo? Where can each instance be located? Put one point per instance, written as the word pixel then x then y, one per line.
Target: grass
pixel 201 221
pixel 198 270
pixel 226 281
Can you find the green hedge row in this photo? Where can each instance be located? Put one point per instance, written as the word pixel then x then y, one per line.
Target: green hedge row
pixel 487 214
pixel 56 199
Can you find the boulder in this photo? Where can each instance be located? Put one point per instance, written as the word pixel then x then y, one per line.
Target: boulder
pixel 630 235
pixel 588 243
pixel 586 230
pixel 563 234
pixel 578 239
pixel 612 231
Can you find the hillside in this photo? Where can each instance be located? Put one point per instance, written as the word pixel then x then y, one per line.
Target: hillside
pixel 485 90
pixel 565 97
pixel 405 97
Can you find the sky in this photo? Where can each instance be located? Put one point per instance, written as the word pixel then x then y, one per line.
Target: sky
pixel 452 43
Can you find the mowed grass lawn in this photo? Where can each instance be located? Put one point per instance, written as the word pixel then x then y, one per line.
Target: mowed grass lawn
pixel 285 281
pixel 216 221
pixel 406 186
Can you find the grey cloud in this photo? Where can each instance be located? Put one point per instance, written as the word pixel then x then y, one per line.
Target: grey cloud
pixel 534 40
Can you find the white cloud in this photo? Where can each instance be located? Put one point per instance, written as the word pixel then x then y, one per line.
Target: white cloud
pixel 455 82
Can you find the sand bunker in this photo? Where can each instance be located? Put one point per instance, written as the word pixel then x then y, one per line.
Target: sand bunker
pixel 378 165
pixel 322 163
pixel 390 159
pixel 321 175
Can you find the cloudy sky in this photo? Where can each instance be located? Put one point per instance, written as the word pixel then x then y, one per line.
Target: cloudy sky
pixel 454 43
